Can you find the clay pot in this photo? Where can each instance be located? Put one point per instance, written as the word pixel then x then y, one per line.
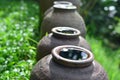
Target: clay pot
pixel 57 2
pixel 63 15
pixel 60 36
pixel 77 3
pixel 62 2
pixel 68 63
pixel 46 4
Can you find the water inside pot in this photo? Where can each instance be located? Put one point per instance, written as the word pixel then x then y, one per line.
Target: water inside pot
pixel 73 54
pixel 66 31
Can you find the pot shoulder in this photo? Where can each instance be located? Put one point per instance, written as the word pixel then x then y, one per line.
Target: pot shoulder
pixel 53 71
pixel 73 20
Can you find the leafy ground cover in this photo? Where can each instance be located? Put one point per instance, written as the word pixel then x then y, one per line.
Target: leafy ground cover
pixel 17 22
pixel 18 40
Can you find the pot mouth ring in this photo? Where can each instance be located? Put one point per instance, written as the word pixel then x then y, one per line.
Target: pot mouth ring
pixel 73 54
pixel 66 31
pixel 81 58
pixel 62 3
pixel 65 6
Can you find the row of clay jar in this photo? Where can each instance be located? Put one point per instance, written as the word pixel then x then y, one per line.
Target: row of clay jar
pixel 64 54
pixel 62 13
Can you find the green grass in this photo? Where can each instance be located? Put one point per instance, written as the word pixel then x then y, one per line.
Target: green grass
pixel 18 20
pixel 107 57
pixel 18 40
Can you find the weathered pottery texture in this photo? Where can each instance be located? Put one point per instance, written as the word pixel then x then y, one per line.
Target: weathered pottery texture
pixel 60 36
pixel 57 2
pixel 68 63
pixel 74 2
pixel 46 4
pixel 63 15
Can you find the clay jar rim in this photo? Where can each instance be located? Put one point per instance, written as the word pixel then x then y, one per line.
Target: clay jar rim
pixel 63 2
pixel 65 7
pixel 72 63
pixel 65 35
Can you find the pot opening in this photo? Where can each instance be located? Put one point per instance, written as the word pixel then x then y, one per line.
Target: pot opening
pixel 65 7
pixel 66 31
pixel 73 54
pixel 63 2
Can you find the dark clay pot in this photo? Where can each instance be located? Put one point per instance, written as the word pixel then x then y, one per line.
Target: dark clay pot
pixel 77 3
pixel 63 16
pixel 46 4
pixel 60 36
pixel 62 65
pixel 57 2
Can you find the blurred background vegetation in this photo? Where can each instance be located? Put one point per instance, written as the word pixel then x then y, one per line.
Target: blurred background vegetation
pixel 102 18
pixel 19 35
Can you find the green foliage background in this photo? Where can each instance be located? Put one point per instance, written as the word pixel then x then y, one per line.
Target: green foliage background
pixel 101 18
pixel 19 36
